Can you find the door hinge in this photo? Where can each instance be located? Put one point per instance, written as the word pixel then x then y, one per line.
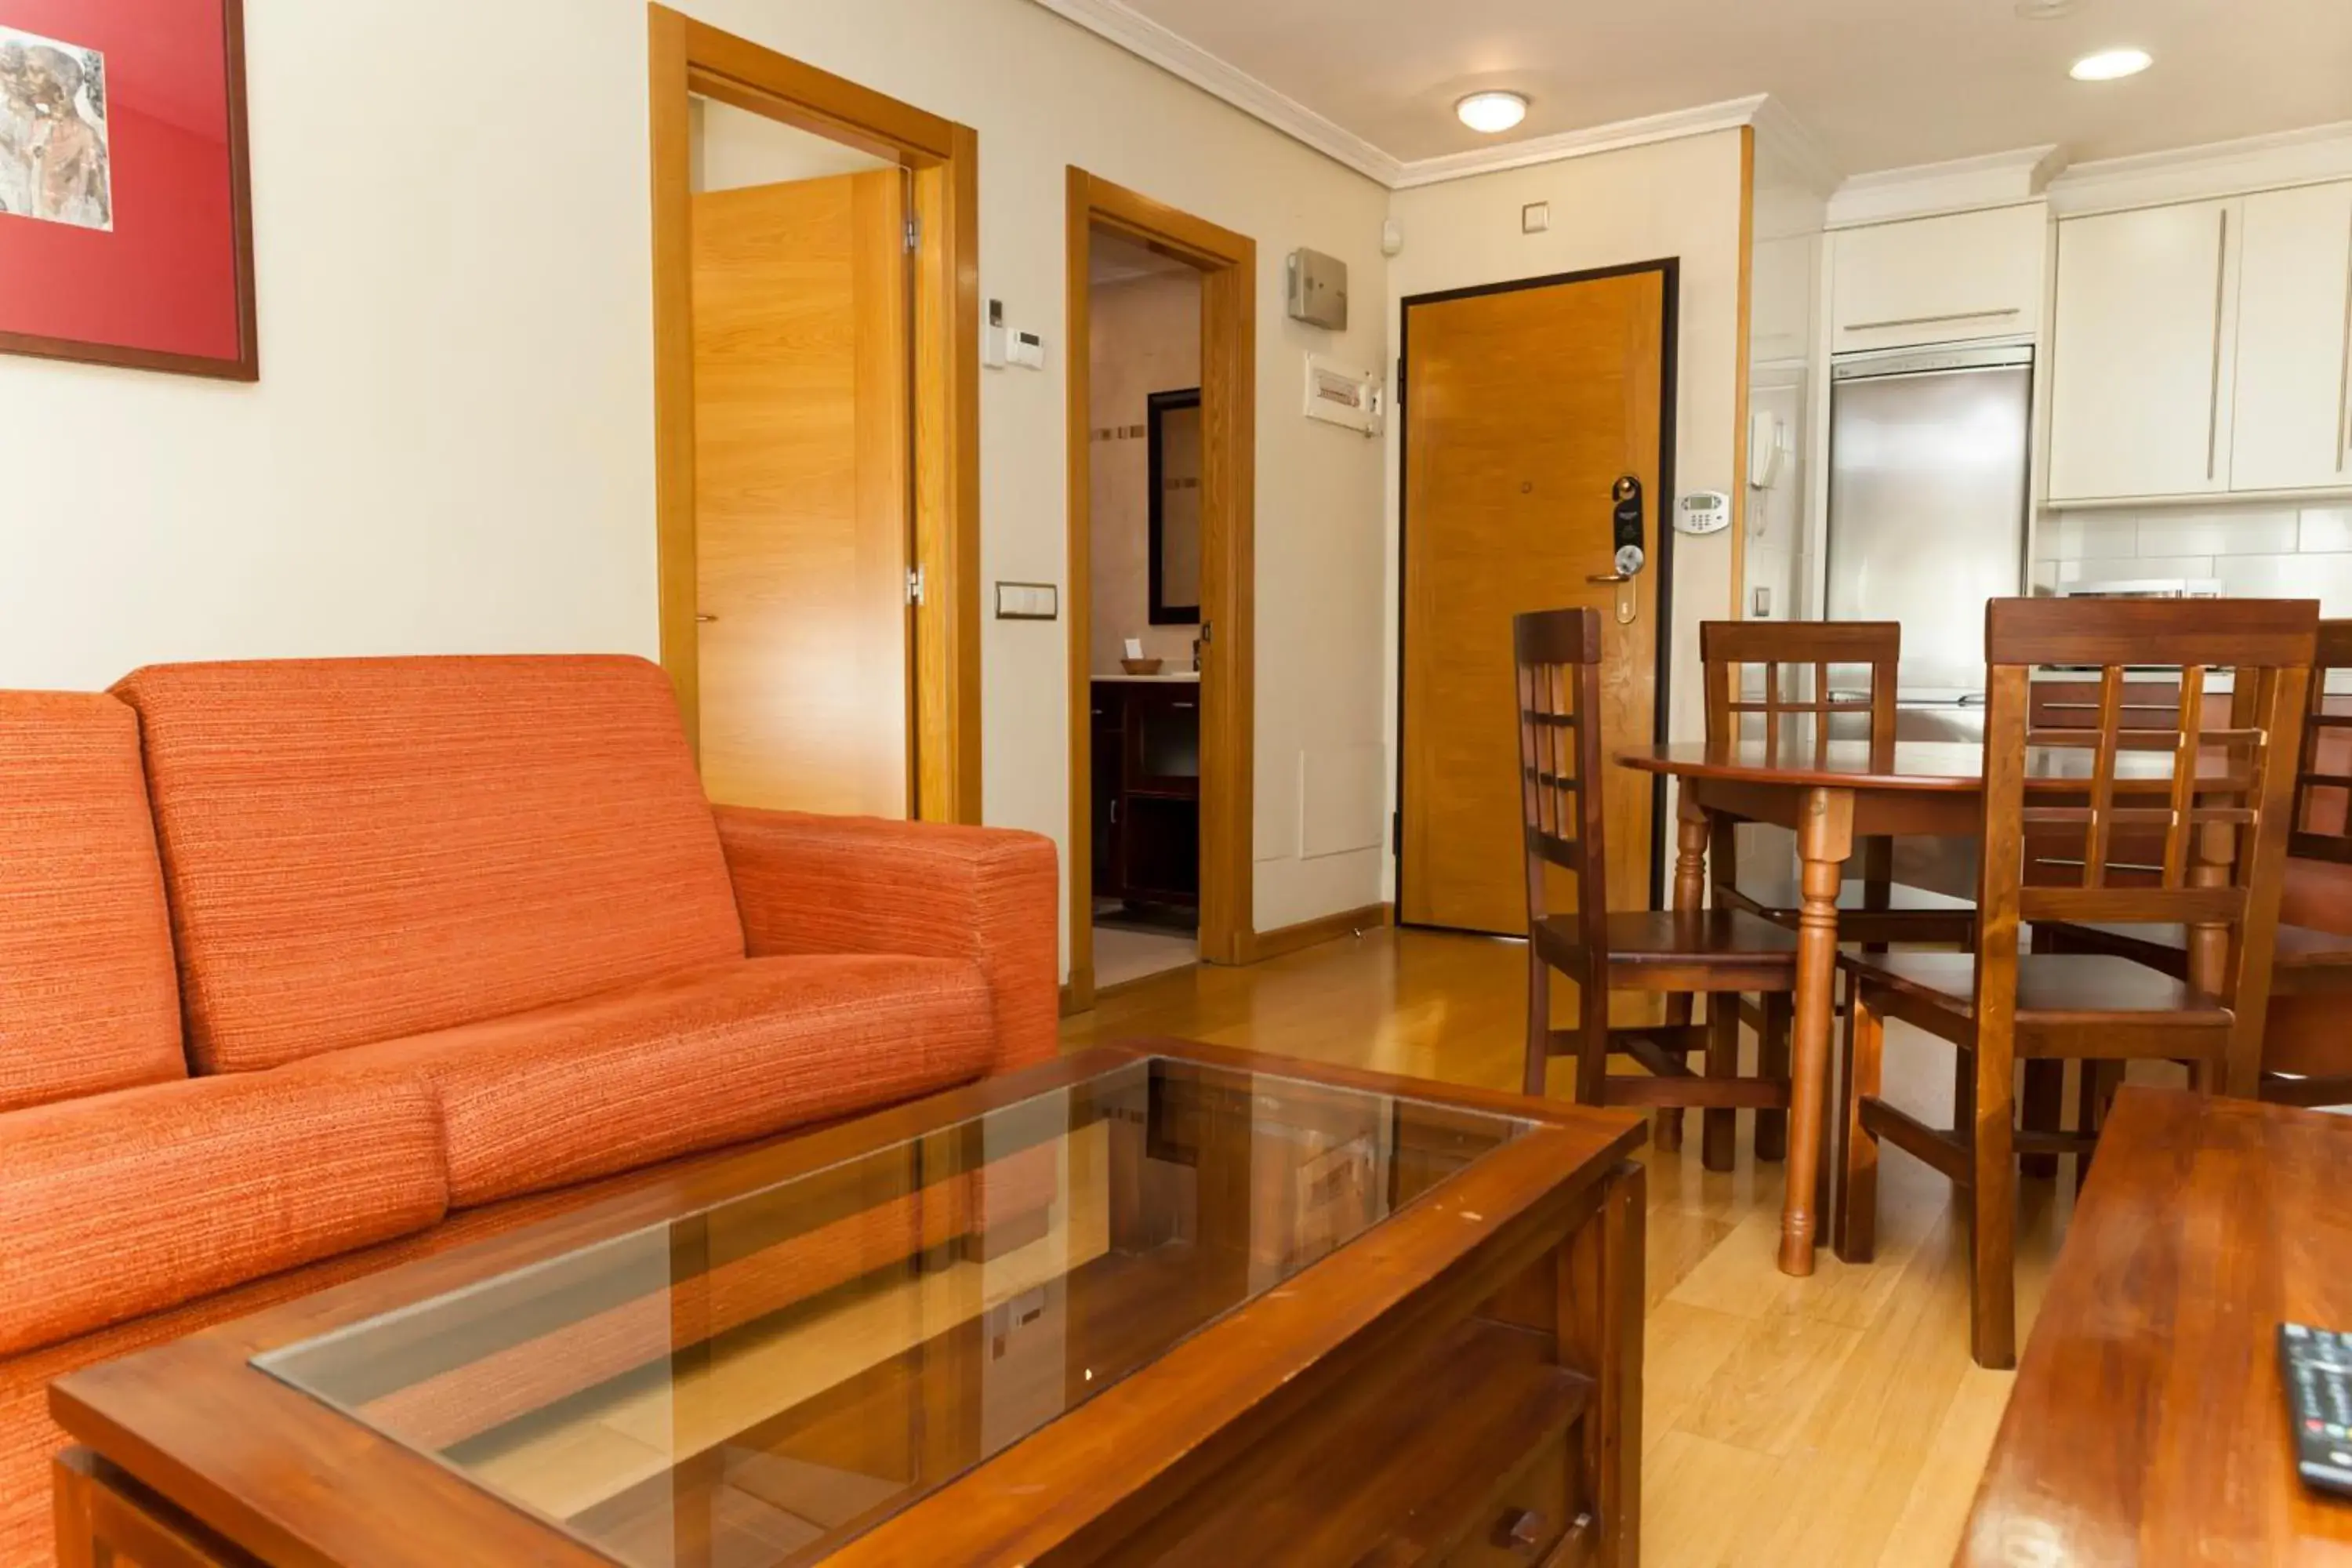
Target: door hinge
pixel 1400 382
pixel 914 584
pixel 914 235
pixel 1396 832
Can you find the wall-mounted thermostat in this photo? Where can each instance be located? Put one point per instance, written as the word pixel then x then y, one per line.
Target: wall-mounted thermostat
pixel 1319 289
pixel 1703 512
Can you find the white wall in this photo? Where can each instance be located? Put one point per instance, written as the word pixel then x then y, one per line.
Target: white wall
pixel 1678 199
pixel 450 448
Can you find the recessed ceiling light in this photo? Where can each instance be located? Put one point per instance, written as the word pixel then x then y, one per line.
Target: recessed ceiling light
pixel 1492 112
pixel 2109 63
pixel 2045 10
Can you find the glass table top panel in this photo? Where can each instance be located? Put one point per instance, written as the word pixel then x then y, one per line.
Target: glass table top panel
pixel 758 1383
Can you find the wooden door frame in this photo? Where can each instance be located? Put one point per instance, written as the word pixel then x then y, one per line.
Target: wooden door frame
pixel 942 158
pixel 1227 263
pixel 1669 269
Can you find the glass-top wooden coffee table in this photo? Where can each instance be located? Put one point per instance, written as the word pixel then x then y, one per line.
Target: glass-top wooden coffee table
pixel 1155 1304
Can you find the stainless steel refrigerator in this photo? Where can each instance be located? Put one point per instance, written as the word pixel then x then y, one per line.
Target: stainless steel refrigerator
pixel 1928 453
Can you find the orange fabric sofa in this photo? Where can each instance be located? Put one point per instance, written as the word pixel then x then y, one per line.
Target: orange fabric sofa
pixel 309 967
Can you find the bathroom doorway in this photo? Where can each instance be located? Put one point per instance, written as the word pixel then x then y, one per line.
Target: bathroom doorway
pixel 1162 333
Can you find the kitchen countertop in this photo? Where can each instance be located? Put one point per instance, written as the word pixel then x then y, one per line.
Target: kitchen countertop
pixel 1181 676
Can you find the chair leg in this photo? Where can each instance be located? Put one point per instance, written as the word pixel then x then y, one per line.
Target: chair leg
pixel 1992 1209
pixel 1667 1129
pixel 1856 1209
pixel 1538 1024
pixel 1719 1127
pixel 1773 1062
pixel 1591 1040
pixel 2046 1098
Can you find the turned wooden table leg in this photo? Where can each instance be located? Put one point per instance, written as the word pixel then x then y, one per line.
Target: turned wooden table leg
pixel 1690 893
pixel 1824 840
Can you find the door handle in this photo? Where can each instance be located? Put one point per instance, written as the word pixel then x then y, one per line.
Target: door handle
pixel 702 620
pixel 1607 577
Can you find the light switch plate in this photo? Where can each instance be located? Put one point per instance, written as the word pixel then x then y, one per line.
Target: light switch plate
pixel 1028 602
pixel 1535 218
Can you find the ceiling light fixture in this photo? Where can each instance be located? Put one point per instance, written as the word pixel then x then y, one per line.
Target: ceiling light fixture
pixel 2045 10
pixel 2109 65
pixel 1491 113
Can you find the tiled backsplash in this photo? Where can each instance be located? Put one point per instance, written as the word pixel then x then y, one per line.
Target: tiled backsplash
pixel 2254 550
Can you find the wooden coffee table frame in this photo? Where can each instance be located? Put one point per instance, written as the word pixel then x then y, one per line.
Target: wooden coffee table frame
pixel 192 1457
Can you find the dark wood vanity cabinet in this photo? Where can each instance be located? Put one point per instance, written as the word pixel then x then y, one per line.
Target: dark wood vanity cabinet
pixel 1146 791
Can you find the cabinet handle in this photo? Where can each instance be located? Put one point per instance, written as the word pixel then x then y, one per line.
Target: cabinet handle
pixel 2344 379
pixel 2213 399
pixel 1931 320
pixel 1180 705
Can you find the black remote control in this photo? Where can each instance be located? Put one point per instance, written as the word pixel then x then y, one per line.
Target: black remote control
pixel 2315 1365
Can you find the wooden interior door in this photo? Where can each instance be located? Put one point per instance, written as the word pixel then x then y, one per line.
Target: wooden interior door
pixel 802 485
pixel 1522 408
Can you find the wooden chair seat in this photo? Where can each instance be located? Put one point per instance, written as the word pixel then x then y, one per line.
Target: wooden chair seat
pixel 2304 959
pixel 2054 989
pixel 1725 949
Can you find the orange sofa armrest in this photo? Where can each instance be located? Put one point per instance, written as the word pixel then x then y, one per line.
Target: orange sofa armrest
pixel 808 884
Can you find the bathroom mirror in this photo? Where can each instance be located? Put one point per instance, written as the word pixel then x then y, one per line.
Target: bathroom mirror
pixel 1175 481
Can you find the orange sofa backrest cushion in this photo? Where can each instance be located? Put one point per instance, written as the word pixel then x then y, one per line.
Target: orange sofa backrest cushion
pixel 86 998
pixel 359 849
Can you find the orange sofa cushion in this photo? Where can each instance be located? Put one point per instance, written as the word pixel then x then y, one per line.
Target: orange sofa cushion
pixel 127 1203
pixel 87 1002
pixel 698 1058
pixel 362 849
pixel 28 1437
pixel 847 884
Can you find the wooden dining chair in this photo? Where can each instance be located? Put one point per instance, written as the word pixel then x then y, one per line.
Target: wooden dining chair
pixel 1814 672
pixel 2223 797
pixel 2306 1056
pixel 1679 952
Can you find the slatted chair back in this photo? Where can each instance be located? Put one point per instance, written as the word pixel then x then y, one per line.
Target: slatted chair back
pixel 1811 669
pixel 1559 658
pixel 2217 798
pixel 2323 777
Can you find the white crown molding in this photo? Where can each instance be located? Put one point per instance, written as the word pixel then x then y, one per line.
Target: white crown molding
pixel 2216 169
pixel 1957 184
pixel 1613 137
pixel 1181 58
pixel 1146 40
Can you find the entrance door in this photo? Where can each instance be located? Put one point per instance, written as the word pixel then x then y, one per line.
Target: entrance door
pixel 1523 407
pixel 802 494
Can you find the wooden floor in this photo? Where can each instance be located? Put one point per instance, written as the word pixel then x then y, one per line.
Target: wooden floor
pixel 1835 1420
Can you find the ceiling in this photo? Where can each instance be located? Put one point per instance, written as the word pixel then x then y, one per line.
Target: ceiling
pixel 1880 83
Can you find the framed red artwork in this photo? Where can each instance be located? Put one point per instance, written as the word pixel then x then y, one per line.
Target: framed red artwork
pixel 126 228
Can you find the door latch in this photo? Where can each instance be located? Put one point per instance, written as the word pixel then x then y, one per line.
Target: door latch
pixel 1628 535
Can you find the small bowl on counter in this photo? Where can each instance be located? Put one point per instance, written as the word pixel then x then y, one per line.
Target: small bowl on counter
pixel 1141 666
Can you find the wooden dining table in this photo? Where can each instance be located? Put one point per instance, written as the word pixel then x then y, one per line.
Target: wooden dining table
pixel 1833 795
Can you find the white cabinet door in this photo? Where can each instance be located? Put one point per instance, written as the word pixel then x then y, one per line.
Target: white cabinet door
pixel 2141 367
pixel 2294 334
pixel 1939 280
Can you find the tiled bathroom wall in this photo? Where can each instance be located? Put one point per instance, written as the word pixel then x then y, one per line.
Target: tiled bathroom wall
pixel 2254 549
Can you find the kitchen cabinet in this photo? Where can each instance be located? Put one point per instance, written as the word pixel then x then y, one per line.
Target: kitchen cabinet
pixel 1939 280
pixel 2144 351
pixel 2295 342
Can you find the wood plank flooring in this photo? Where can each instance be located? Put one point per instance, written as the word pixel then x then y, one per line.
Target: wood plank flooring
pixel 1816 1422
